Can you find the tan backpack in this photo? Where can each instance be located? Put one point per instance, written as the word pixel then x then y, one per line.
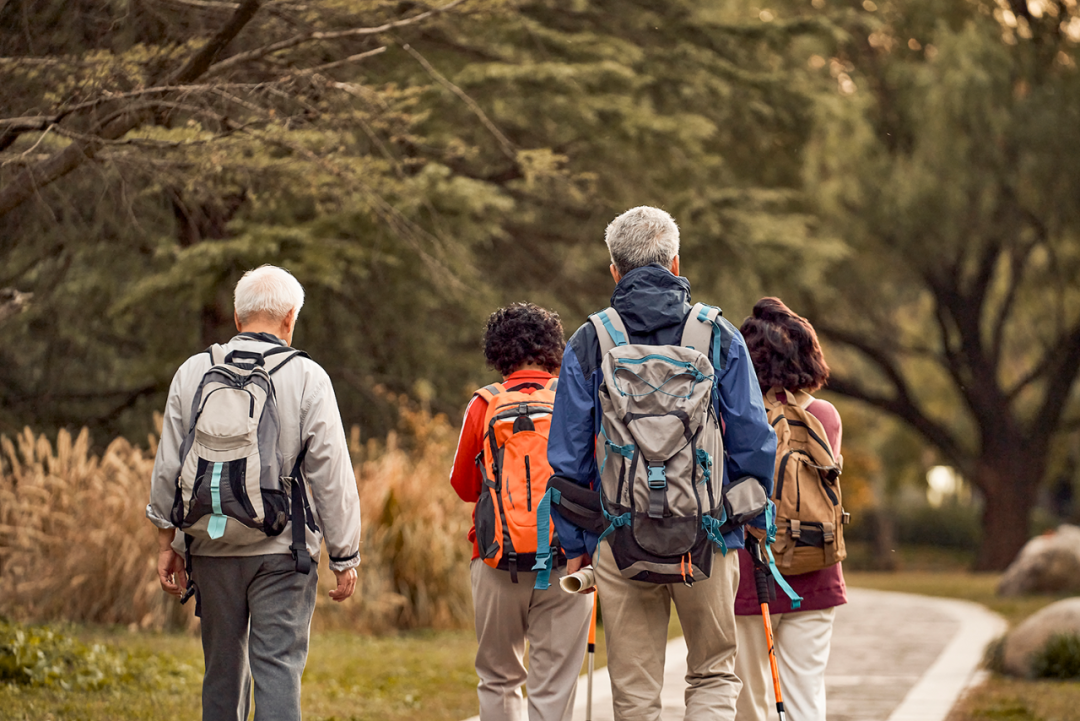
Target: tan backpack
pixel 810 514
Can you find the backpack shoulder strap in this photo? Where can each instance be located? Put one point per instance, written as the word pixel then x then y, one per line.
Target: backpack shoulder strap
pixel 217 354
pixel 490 391
pixel 276 358
pixel 610 330
pixel 698 330
pixel 553 384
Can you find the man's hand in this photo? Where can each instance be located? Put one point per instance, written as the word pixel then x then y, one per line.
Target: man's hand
pixel 573 565
pixel 170 566
pixel 346 584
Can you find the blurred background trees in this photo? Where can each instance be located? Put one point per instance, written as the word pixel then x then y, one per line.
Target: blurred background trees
pixel 902 172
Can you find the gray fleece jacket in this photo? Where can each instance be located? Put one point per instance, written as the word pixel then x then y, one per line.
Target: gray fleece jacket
pixel 308 413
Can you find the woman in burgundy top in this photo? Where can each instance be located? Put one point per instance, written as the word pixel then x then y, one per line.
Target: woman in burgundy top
pixel 786 354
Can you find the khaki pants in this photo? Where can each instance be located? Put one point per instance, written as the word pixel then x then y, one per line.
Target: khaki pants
pixel 636 616
pixel 556 625
pixel 802 641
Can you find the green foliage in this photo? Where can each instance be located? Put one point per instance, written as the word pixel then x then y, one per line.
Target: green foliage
pixel 474 162
pixel 952 525
pixel 48 657
pixel 1058 659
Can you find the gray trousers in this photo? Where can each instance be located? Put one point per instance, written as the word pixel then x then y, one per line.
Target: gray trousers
pixel 556 625
pixel 256 619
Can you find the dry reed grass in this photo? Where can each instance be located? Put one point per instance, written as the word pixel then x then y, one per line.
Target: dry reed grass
pixel 75 544
pixel 415 568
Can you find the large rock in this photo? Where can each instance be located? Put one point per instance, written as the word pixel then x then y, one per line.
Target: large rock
pixel 1062 617
pixel 1049 563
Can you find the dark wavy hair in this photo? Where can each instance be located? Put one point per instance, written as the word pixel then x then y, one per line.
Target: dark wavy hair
pixel 784 348
pixel 523 333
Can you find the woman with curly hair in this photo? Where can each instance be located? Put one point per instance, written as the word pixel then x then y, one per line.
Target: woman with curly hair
pixel 787 356
pixel 524 343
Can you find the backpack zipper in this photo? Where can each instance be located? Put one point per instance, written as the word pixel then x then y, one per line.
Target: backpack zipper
pixel 810 431
pixel 528 486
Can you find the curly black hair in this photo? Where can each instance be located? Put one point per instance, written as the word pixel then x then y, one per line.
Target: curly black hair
pixel 523 333
pixel 784 348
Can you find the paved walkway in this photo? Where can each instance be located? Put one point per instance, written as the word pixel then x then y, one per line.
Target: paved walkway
pixel 895 657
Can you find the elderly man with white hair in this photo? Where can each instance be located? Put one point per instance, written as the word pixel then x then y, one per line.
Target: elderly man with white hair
pixel 256 600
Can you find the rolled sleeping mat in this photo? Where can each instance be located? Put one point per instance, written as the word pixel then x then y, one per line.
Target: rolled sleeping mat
pixel 579 582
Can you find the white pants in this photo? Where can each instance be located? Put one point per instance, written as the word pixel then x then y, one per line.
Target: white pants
pixel 556 625
pixel 802 640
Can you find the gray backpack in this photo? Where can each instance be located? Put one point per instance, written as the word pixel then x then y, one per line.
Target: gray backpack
pixel 231 487
pixel 660 453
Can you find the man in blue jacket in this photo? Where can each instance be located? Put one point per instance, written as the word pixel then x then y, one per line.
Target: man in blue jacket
pixel 653 302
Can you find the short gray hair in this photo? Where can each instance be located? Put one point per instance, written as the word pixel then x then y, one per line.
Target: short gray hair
pixel 268 291
pixel 642 236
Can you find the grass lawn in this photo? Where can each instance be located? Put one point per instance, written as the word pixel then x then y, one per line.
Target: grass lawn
pixel 348 678
pixel 430 675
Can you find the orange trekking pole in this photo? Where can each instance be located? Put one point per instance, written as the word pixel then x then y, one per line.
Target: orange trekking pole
pixel 761 577
pixel 592 657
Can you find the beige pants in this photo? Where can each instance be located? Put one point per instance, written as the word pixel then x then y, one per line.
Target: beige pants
pixel 636 616
pixel 802 640
pixel 556 625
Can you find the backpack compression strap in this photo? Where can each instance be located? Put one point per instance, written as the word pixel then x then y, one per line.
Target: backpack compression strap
pixel 610 330
pixel 299 521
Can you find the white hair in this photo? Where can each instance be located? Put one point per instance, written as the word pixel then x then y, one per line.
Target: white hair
pixel 642 236
pixel 267 291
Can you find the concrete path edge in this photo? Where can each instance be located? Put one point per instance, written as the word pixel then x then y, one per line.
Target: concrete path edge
pixel 957 668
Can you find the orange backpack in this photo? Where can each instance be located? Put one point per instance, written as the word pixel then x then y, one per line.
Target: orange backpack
pixel 514 466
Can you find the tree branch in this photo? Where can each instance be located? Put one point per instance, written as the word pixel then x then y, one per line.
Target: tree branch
pixel 504 143
pixel 934 432
pixel 241 58
pixel 27 183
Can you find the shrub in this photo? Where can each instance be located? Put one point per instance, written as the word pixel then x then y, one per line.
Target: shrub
pixel 44 656
pixel 952 525
pixel 1059 658
pixel 75 544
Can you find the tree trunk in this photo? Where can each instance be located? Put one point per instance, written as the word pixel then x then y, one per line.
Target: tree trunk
pixel 1009 482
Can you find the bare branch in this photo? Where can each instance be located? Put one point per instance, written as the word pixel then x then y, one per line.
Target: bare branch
pixel 201 61
pixel 903 408
pixel 29 181
pixel 504 143
pixel 336 63
pixel 241 58
pixel 23 155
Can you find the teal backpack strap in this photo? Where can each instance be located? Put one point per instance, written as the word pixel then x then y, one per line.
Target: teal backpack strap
pixel 610 330
pixel 699 332
pixel 545 557
pixel 698 329
pixel 770 536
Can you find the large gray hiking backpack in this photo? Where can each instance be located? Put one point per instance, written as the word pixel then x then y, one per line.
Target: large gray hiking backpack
pixel 231 487
pixel 660 453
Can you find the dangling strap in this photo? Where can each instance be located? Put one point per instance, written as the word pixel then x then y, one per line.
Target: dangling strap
pixel 770 536
pixel 610 330
pixel 299 503
pixel 545 559
pixel 712 526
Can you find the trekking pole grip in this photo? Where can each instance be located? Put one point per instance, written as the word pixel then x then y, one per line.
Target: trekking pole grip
pixel 761 580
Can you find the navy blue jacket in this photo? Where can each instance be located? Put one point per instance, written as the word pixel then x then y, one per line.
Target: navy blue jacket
pixel 653 304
